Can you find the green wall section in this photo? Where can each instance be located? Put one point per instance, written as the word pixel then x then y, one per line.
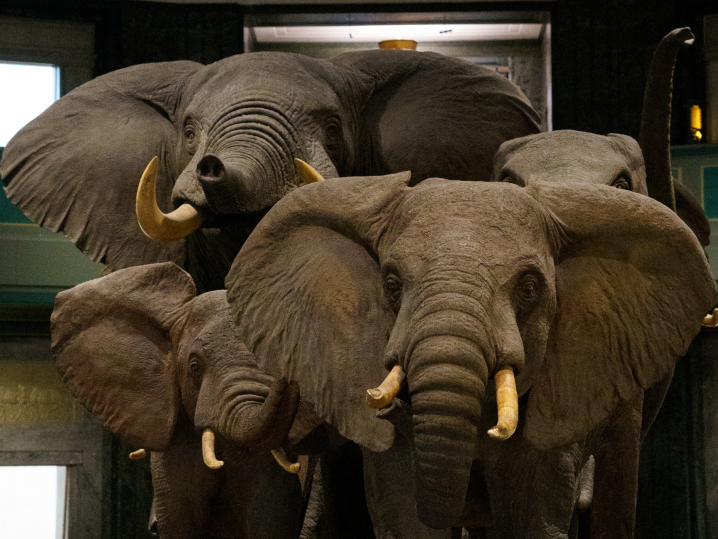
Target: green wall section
pixel 696 167
pixel 35 263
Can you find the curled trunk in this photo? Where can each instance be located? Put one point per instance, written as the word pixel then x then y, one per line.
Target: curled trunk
pixel 246 418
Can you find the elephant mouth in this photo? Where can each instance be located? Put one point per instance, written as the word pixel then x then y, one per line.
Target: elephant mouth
pixel 187 218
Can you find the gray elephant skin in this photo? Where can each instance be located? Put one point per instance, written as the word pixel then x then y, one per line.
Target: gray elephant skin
pixel 159 364
pixel 643 167
pixel 226 135
pixel 590 293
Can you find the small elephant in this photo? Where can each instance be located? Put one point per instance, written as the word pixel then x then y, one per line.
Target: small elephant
pixel 160 365
pixel 589 294
pixel 227 135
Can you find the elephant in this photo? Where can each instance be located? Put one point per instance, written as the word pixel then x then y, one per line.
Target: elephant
pixel 226 136
pixel 159 365
pixel 643 166
pixel 588 293
pixel 620 161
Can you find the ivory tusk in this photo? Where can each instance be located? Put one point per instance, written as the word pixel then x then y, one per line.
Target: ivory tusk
pixel 385 393
pixel 280 455
pixel 139 454
pixel 711 320
pixel 157 225
pixel 306 172
pixel 208 451
pixel 508 402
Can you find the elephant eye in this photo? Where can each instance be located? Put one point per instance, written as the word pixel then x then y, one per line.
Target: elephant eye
pixel 392 288
pixel 333 129
pixel 195 367
pixel 621 183
pixel 528 290
pixel 189 134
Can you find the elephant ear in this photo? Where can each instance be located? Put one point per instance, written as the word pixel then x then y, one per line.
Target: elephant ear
pixel 307 294
pixel 111 342
pixel 632 288
pixel 419 105
pixel 76 167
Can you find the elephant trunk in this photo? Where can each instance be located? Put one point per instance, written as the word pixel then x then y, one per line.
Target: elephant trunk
pixel 655 135
pixel 447 383
pixel 246 418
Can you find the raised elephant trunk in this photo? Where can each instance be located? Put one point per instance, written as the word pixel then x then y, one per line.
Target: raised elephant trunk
pixel 446 393
pixel 655 136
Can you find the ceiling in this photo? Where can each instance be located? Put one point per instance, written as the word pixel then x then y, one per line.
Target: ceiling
pixel 444 32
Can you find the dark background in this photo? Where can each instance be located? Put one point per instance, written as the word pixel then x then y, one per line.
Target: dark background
pixel 601 50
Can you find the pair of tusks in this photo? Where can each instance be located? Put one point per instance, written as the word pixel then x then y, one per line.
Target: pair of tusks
pixel 210 459
pixel 506 399
pixel 181 222
pixel 711 320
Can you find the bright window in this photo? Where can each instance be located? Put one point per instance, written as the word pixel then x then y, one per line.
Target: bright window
pixel 32 502
pixel 25 91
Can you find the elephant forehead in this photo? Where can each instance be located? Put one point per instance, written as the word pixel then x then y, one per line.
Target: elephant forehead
pixel 491 221
pixel 263 76
pixel 588 156
pixel 209 323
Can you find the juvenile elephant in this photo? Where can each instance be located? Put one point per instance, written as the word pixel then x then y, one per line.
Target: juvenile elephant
pixel 160 365
pixel 589 294
pixel 226 135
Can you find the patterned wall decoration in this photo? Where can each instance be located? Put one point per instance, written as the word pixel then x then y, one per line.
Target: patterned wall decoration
pixel 32 393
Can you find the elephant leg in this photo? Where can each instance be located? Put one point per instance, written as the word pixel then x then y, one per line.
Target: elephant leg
pixel 337 506
pixel 389 483
pixel 183 487
pixel 533 492
pixel 613 509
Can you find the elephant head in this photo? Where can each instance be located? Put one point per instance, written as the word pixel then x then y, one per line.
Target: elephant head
pixel 226 136
pixel 588 293
pixel 140 350
pixel 616 160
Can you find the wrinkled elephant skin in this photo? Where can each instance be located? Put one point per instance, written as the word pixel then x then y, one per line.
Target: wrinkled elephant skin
pixel 227 135
pixel 159 365
pixel 454 281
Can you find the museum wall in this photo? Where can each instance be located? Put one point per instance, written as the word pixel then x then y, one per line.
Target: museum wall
pixel 600 54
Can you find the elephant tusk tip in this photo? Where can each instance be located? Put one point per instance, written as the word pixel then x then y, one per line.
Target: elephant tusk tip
pixel 306 172
pixel 215 465
pixel 139 454
pixel 710 320
pixel 501 433
pixel 383 395
pixel 375 398
pixel 280 455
